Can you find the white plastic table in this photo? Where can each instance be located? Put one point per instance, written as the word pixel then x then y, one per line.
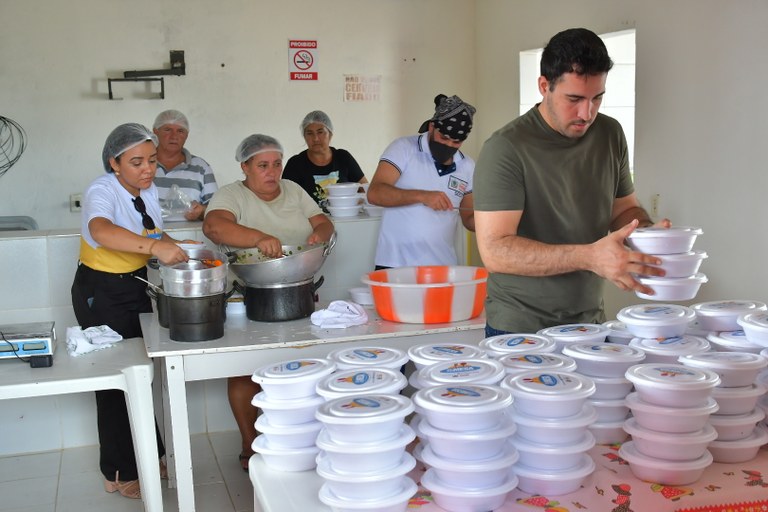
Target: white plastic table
pixel 124 366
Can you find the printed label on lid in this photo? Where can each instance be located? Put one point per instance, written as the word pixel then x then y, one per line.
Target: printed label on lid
pixel 461 368
pixel 465 397
pixel 296 368
pixel 365 354
pixel 560 383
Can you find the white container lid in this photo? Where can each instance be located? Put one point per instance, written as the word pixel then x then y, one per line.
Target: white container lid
pixel 505 429
pixel 757 320
pixel 629 453
pixel 727 308
pixel 430 482
pixel 325 442
pixel 463 399
pixel 618 329
pixel 384 381
pixel 586 417
pixel 733 340
pixel 504 344
pixel 634 402
pixel 658 315
pixel 683 256
pixel 261 445
pixel 673 281
pixel 325 471
pixel 672 377
pixel 505 458
pixel 671 232
pixel 292 372
pixel 408 489
pixel 581 470
pixel 519 363
pixel 725 361
pixel 604 352
pixel 356 357
pixel 705 435
pixel 261 400
pixel 523 445
pixel 365 409
pixel 478 371
pixel 728 420
pixel 576 332
pixel 432 353
pixel 672 346
pixel 549 386
pixel 738 392
pixel 758 437
pixel 264 426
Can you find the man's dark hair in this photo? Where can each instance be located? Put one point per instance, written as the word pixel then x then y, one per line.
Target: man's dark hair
pixel 576 50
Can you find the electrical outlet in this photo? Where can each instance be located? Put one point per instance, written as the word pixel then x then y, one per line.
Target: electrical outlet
pixel 655 205
pixel 75 202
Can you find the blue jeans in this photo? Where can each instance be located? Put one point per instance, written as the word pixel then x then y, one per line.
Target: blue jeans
pixel 490 331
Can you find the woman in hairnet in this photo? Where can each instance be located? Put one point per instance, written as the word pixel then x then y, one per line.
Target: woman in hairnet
pixel 320 164
pixel 267 212
pixel 121 229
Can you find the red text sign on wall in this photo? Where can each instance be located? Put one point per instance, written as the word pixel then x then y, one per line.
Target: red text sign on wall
pixel 302 57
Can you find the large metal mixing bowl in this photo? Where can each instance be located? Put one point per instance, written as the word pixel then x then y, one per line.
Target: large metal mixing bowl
pixel 299 263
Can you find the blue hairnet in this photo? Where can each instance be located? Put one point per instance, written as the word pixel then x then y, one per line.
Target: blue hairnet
pixel 171 117
pixel 123 138
pixel 256 143
pixel 317 116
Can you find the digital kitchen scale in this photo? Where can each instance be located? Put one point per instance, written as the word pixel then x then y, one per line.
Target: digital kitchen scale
pixel 25 340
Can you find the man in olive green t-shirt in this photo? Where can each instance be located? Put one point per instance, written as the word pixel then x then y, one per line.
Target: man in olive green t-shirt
pixel 554 199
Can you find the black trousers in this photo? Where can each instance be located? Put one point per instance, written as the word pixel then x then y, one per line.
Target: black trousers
pixel 102 298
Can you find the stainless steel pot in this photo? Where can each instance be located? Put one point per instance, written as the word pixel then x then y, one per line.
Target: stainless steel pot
pixel 194 278
pixel 299 263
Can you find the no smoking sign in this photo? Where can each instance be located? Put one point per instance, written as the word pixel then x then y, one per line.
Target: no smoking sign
pixel 302 56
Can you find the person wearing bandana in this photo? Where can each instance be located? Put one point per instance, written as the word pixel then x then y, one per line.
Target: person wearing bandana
pixel 425 183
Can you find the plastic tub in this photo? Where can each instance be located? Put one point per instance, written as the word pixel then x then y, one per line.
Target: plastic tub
pixel 451 499
pixel 344 211
pixel 736 369
pixel 549 394
pixel 350 200
pixel 285 459
pixel 468 445
pixel 733 341
pixel 553 483
pixel 395 503
pixel 721 315
pixel 361 295
pixel 463 408
pixel 611 388
pixel 603 359
pixel 462 371
pixel 552 457
pixel 574 333
pixel 610 411
pixel 342 189
pixel 655 240
pixel 681 265
pixel 670 419
pixel 738 426
pixel 361 357
pixel 289 380
pixel 288 412
pixel 517 344
pixel 656 321
pixel 737 400
pixel 289 436
pixel 755 327
pixel 431 353
pixel 361 381
pixel 672 288
pixel 662 471
pixel 741 450
pixel 668 446
pixel 364 419
pixel 474 474
pixel 672 385
pixel 428 294
pixel 548 362
pixel 609 433
pixel 559 431
pixel 617 332
pixel 365 457
pixel 669 350
pixel 372 485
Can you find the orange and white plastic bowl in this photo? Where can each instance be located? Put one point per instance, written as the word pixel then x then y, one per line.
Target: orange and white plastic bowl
pixel 428 294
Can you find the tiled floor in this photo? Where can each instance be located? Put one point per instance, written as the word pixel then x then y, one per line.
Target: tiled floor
pixel 69 481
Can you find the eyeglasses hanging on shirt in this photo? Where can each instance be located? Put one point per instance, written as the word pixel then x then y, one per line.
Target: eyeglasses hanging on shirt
pixel 146 220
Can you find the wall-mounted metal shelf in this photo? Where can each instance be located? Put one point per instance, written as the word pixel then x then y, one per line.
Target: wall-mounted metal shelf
pixel 178 68
pixel 162 85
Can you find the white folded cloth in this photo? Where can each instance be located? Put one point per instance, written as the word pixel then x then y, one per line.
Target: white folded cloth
pixel 81 341
pixel 340 314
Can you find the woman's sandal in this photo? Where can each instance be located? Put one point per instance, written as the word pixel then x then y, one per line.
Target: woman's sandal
pixel 129 488
pixel 243 458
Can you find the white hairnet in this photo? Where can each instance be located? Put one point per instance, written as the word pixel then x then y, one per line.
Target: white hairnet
pixel 170 117
pixel 317 116
pixel 256 143
pixel 123 138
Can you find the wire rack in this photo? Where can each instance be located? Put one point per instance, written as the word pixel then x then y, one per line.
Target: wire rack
pixel 13 142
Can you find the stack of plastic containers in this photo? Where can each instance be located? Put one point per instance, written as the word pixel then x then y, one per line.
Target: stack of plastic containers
pixel 721 320
pixel 459 371
pixel 669 349
pixel 288 402
pixel 552 415
pixel 466 428
pixel 431 353
pixel 669 428
pixel 617 332
pixel 575 333
pixel 365 357
pixel 516 344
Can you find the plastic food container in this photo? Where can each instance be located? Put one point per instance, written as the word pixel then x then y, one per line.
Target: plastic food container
pixel 673 420
pixel 665 445
pixel 611 388
pixel 428 294
pixel 681 265
pixel 364 419
pixel 289 436
pixel 356 485
pixel 350 200
pixel 342 189
pixel 451 499
pixel 547 362
pixel 740 450
pixel 516 344
pixel 549 394
pixel 755 327
pixel 737 426
pixel 395 503
pixel 573 333
pixel 288 412
pixel 721 315
pixel 672 288
pixel 373 210
pixel 361 381
pixel 294 379
pixel 429 354
pixel 361 295
pixel 344 211
pixel 669 350
pixel 733 341
pixel 609 433
pixel 365 457
pixel 737 400
pixel 663 471
pixel 462 371
pixel 552 457
pixel 736 369
pixel 361 357
pixel 472 474
pixel 609 411
pixel 672 385
pixel 285 459
pixel 603 359
pixel 553 483
pixel 617 332
pixel 468 445
pixel 655 240
pixel 656 321
pixel 463 408
pixel 559 431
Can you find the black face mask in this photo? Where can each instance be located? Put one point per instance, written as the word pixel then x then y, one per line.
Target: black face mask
pixel 440 152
